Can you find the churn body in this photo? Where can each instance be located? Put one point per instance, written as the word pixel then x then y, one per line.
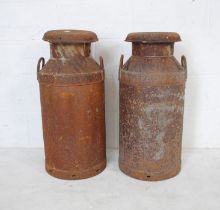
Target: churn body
pixel 152 84
pixel 72 104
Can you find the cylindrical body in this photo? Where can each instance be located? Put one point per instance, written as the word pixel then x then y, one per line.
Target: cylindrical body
pixel 152 84
pixel 72 104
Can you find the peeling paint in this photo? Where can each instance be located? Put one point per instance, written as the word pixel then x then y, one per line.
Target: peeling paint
pixel 159 154
pixel 140 124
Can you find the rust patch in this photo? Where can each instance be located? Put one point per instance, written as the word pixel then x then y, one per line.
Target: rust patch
pixel 153 37
pixel 70 36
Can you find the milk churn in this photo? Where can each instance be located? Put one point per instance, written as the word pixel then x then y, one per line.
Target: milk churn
pixel 72 104
pixel 152 84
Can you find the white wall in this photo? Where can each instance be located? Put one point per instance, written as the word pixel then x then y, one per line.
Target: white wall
pixel 23 23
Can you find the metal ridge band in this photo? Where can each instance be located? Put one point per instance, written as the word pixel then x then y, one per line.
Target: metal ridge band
pixel 154 79
pixel 76 78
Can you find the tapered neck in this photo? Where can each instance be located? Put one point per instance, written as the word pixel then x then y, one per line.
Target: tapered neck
pixel 152 49
pixel 69 50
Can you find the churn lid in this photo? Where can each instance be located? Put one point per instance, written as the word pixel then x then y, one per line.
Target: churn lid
pixel 153 37
pixel 70 36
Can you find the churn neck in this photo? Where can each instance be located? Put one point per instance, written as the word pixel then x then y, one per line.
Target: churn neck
pixel 69 50
pixel 69 43
pixel 153 43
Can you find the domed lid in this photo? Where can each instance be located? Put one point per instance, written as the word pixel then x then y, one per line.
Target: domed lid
pixel 70 36
pixel 153 37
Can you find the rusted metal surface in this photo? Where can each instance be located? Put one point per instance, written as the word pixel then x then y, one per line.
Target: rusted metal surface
pixel 72 104
pixel 152 85
pixel 153 37
pixel 70 36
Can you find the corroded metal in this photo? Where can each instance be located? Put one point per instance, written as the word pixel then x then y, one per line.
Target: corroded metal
pixel 152 84
pixel 72 104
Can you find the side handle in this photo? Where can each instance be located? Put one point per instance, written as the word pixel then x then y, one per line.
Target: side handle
pixel 184 63
pixel 101 63
pixel 40 65
pixel 120 66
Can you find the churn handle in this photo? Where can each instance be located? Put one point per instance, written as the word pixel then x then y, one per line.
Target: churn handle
pixel 184 63
pixel 101 63
pixel 39 66
pixel 120 65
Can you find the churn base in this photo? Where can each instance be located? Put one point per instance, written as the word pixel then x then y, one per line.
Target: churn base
pixel 74 175
pixel 146 177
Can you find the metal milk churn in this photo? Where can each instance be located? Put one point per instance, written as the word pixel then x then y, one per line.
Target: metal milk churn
pixel 152 84
pixel 72 104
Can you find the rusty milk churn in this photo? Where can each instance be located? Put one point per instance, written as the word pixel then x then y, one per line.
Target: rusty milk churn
pixel 72 104
pixel 152 84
